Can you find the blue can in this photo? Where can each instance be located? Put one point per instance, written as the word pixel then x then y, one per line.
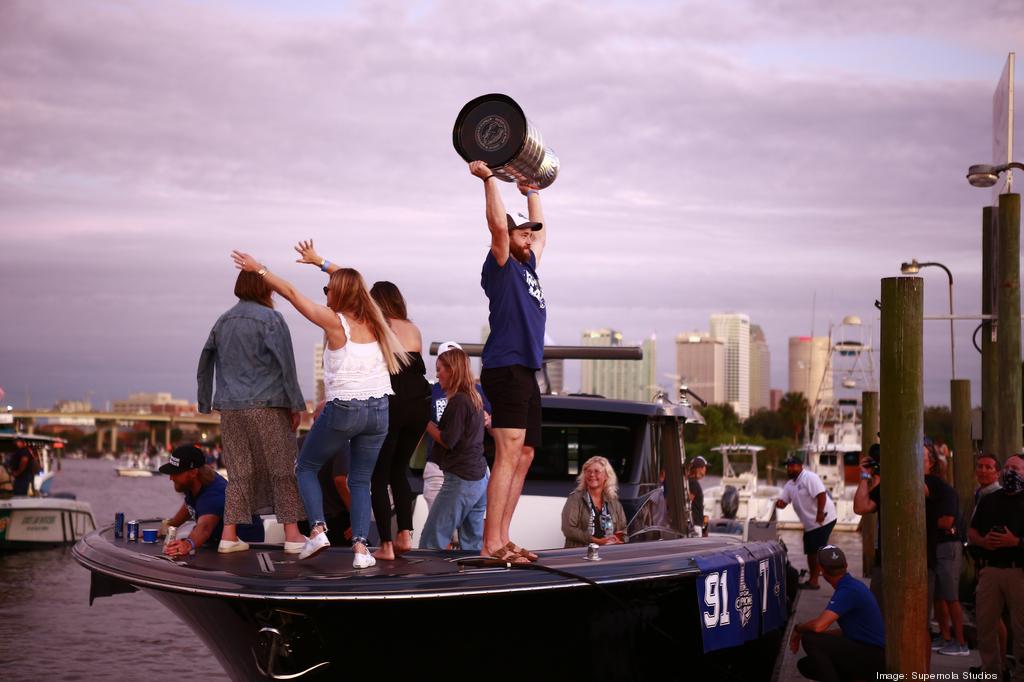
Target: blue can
pixel 133 531
pixel 119 525
pixel 149 535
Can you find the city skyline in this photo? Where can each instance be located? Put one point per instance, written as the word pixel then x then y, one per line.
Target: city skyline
pixel 776 158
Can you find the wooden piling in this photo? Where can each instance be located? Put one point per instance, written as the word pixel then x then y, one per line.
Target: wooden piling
pixel 963 469
pixel 903 524
pixel 989 375
pixel 868 437
pixel 1008 330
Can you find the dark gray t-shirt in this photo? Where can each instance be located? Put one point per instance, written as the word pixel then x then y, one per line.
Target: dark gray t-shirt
pixel 462 430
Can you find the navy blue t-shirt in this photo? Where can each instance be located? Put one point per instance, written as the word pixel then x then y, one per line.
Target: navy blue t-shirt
pixel 439 401
pixel 859 615
pixel 210 500
pixel 517 313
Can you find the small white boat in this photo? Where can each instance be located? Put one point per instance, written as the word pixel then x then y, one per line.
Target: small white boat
pixel 136 466
pixel 34 522
pixel 740 497
pixel 42 520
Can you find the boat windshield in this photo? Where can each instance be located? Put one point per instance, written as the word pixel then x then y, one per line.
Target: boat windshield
pixel 571 437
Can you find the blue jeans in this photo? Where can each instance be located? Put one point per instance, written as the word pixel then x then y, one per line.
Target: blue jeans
pixel 363 423
pixel 459 504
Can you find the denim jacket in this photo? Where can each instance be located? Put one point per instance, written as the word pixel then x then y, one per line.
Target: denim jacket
pixel 251 349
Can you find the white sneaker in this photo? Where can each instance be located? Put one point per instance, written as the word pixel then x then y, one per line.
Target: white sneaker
pixel 228 546
pixel 295 547
pixel 314 546
pixel 360 560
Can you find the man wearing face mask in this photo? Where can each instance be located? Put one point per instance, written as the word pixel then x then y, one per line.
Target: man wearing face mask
pixel 998 530
pixel 816 510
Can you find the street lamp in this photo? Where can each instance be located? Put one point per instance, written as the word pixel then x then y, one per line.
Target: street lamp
pixel 913 267
pixel 986 175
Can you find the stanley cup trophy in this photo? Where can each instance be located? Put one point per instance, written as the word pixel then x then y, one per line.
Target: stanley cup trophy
pixel 494 129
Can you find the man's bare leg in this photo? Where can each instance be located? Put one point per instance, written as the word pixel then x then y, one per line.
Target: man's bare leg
pixel 508 448
pixel 515 490
pixel 813 570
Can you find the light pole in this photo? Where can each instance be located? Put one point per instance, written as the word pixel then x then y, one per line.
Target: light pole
pixel 986 175
pixel 1007 280
pixel 912 268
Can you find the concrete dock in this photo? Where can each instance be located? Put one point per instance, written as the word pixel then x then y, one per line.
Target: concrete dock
pixel 810 603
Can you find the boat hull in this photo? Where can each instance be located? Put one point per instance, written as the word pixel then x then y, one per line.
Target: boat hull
pixel 261 612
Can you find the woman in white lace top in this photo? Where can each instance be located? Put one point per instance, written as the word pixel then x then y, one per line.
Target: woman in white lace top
pixel 360 355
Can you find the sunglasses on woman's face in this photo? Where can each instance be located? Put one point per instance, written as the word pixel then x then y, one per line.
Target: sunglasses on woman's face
pixel 325 291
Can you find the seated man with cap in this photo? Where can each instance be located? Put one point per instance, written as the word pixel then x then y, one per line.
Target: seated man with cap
pixel 857 650
pixel 204 503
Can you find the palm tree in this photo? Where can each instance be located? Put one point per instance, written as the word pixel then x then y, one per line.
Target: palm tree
pixel 794 408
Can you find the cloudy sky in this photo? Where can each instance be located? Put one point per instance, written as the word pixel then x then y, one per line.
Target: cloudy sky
pixel 772 157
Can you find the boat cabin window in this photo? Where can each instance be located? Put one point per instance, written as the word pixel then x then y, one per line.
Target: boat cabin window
pixel 827 459
pixel 571 437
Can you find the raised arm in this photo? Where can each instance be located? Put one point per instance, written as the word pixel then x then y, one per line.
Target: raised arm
pixel 320 315
pixel 307 254
pixel 497 222
pixel 536 215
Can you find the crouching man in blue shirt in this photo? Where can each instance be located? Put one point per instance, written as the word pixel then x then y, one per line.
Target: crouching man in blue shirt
pixel 204 503
pixel 856 651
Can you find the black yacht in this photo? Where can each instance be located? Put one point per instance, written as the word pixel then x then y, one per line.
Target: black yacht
pixel 664 604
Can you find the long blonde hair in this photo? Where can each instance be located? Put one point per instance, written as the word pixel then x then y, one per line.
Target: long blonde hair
pixel 611 484
pixel 456 361
pixel 347 293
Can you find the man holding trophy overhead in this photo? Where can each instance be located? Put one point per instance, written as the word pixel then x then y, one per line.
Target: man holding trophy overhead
pixel 493 134
pixel 512 355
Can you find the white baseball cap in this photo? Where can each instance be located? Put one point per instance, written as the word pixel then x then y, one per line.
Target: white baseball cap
pixel 447 346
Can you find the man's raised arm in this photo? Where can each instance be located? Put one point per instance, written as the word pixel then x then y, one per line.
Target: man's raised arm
pixel 497 223
pixel 536 215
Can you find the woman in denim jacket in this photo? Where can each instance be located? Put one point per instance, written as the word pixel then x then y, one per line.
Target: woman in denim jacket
pixel 360 355
pixel 259 400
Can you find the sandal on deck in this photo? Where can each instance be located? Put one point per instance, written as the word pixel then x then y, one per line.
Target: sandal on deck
pixel 505 556
pixel 521 551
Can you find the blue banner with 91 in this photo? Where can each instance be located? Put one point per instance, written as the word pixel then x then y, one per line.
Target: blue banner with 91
pixel 740 594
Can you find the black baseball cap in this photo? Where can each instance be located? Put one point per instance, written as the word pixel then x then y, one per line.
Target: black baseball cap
pixel 528 225
pixel 698 461
pixel 831 556
pixel 184 458
pixel 794 458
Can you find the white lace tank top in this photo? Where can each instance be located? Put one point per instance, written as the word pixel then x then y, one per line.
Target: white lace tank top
pixel 356 371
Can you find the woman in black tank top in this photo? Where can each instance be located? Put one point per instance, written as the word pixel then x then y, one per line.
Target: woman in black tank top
pixel 409 414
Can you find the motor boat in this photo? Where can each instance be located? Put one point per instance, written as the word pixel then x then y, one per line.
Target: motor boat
pixel 722 602
pixel 41 519
pixel 740 505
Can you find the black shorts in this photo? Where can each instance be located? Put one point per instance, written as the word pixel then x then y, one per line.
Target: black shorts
pixel 515 399
pixel 817 538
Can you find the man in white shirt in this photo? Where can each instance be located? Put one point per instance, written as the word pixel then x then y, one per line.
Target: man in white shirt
pixel 816 510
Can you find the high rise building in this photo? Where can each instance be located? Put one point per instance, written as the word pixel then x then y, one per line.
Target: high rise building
pixel 734 330
pixel 318 373
pixel 808 366
pixel 700 364
pixel 622 379
pixel 776 398
pixel 760 371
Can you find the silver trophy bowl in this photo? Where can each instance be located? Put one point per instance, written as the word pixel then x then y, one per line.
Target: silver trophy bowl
pixel 493 129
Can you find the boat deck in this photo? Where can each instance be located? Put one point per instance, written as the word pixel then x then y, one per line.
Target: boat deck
pixel 266 571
